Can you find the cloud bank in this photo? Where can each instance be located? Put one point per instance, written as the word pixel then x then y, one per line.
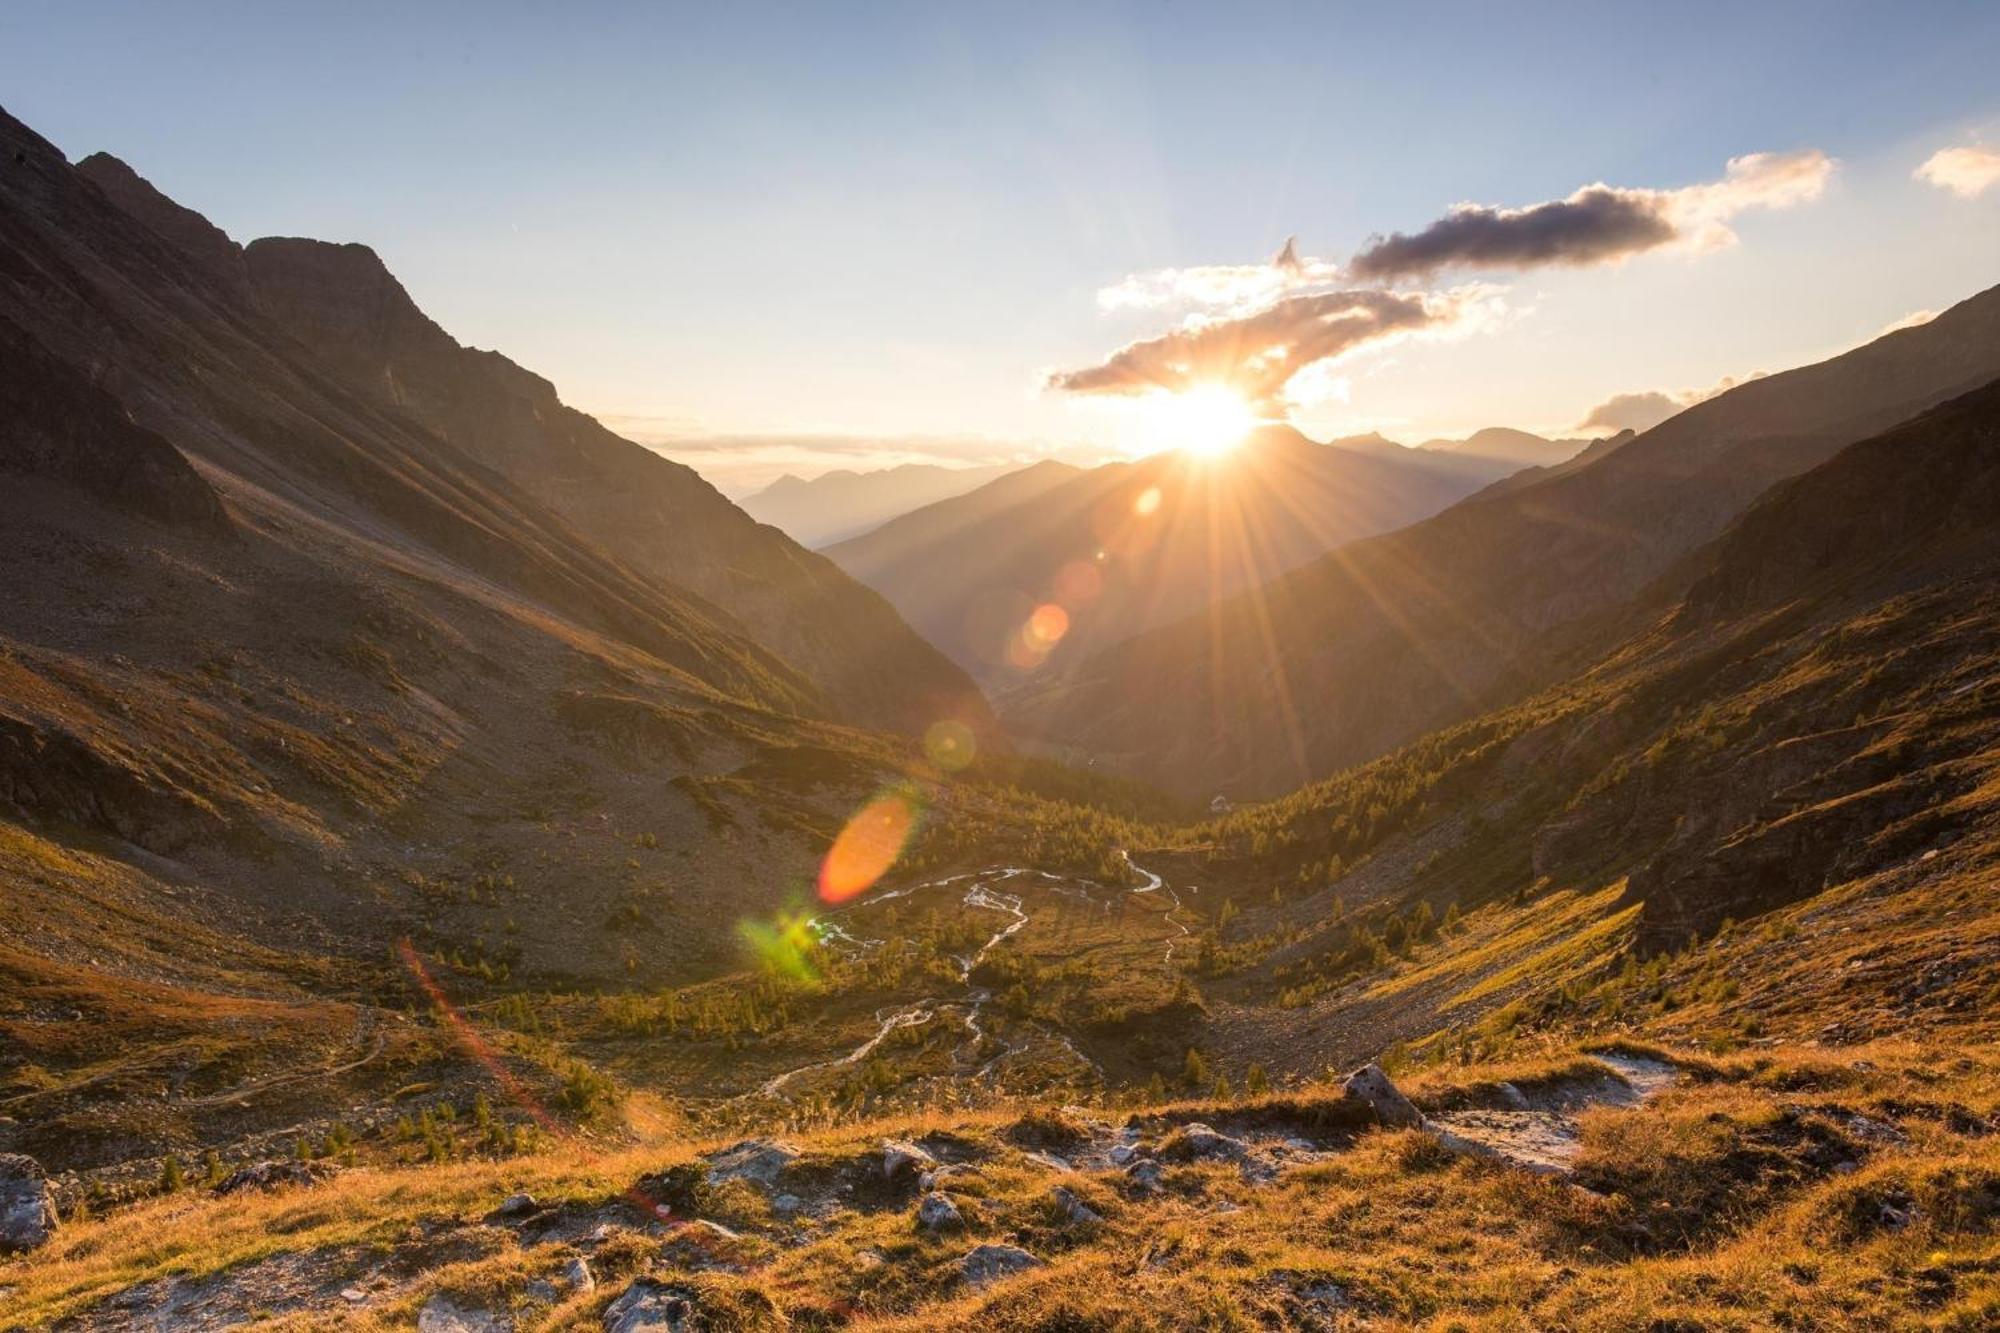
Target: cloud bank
pixel 1966 172
pixel 1598 224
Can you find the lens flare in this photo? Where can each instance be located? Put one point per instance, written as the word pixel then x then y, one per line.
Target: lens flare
pixel 783 946
pixel 1079 582
pixel 1048 624
pixel 868 846
pixel 1148 501
pixel 951 745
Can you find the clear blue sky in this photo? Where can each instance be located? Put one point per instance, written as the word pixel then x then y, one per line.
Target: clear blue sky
pixel 886 220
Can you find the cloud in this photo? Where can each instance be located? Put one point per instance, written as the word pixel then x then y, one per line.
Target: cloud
pixel 1915 319
pixel 1258 354
pixel 1966 172
pixel 1643 411
pixel 1239 286
pixel 1599 224
pixel 1631 411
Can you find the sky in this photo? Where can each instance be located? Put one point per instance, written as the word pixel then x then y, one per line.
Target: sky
pixel 789 238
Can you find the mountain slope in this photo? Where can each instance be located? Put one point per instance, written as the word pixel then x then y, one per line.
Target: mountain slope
pixel 842 504
pixel 1390 637
pixel 271 641
pixel 1129 545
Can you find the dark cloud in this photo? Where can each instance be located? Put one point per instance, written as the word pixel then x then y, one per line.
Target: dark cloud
pixel 1257 354
pixel 1590 227
pixel 1598 224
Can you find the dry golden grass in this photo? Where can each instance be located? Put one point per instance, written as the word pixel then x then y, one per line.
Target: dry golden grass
pixel 1747 1197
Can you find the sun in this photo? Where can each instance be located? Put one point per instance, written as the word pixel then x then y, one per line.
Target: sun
pixel 1207 421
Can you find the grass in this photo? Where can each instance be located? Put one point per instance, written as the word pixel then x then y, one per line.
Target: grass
pixel 1740 1200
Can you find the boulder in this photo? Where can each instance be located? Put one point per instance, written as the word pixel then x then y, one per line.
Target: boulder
pixel 757 1160
pixel 514 1208
pixel 578 1277
pixel 936 1212
pixel 1199 1142
pixel 901 1158
pixel 27 1209
pixel 1373 1089
pixel 1073 1209
pixel 651 1307
pixel 990 1263
pixel 1144 1175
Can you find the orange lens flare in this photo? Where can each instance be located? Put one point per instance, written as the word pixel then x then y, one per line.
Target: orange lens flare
pixel 868 846
pixel 1148 501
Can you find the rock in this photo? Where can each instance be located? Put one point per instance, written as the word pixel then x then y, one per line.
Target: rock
pixel 1144 1175
pixel 1051 1161
pixel 1371 1087
pixel 756 1160
pixel 990 1263
pixel 651 1307
pixel 578 1276
pixel 27 1210
pixel 1074 1209
pixel 1199 1142
pixel 787 1204
pixel 1122 1154
pixel 900 1158
pixel 1512 1098
pixel 441 1314
pixel 702 1244
pixel 514 1207
pixel 276 1175
pixel 936 1212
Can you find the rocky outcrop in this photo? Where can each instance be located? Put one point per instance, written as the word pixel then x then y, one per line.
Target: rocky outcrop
pixel 936 1212
pixel 27 1209
pixel 759 1161
pixel 988 1264
pixel 1371 1088
pixel 652 1307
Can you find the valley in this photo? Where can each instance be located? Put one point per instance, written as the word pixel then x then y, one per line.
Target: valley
pixel 460 871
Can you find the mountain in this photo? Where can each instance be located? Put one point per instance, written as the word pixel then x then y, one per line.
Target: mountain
pixel 841 504
pixel 1125 546
pixel 1387 638
pixel 1504 445
pixel 323 628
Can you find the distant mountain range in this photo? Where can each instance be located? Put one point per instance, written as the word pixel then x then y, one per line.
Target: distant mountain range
pixel 1125 546
pixel 1387 638
pixel 841 504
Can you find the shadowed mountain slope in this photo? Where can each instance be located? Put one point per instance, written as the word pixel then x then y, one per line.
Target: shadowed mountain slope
pixel 656 516
pixel 1387 638
pixel 307 645
pixel 1126 546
